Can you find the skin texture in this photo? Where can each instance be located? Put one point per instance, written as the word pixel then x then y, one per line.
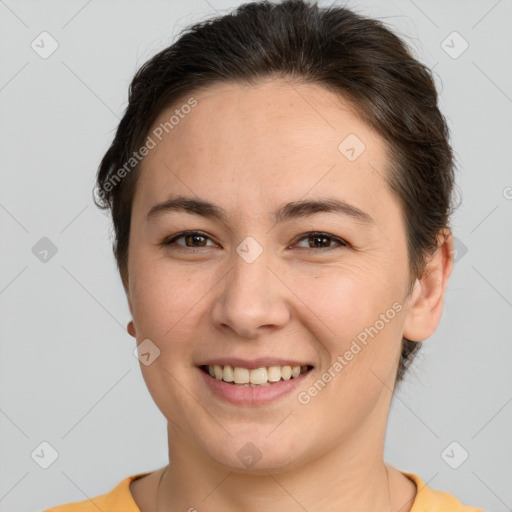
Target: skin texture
pixel 250 149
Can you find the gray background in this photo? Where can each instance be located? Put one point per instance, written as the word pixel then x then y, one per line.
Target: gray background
pixel 69 377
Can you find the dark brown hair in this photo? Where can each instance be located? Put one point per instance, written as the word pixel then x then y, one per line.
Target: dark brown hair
pixel 357 57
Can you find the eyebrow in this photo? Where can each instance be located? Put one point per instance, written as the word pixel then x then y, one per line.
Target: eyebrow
pixel 288 211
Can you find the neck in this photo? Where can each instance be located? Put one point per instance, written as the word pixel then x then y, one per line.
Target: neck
pixel 354 477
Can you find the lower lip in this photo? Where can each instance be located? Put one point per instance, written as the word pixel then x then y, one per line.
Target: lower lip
pixel 247 395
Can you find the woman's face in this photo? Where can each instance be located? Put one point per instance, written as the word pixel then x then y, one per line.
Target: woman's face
pixel 252 285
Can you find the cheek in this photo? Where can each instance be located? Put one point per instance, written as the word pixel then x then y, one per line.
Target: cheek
pixel 360 321
pixel 163 299
pixel 345 299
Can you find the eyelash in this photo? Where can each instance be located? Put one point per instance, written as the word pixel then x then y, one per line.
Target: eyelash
pixel 305 236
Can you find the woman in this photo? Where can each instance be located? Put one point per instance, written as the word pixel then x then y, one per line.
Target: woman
pixel 280 186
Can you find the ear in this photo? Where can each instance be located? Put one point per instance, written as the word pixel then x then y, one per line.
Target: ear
pixel 131 329
pixel 130 307
pixel 131 326
pixel 427 299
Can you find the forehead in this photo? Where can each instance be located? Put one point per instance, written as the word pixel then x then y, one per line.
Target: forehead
pixel 262 144
pixel 275 113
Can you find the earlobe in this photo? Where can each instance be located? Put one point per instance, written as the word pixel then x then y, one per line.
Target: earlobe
pixel 426 302
pixel 131 329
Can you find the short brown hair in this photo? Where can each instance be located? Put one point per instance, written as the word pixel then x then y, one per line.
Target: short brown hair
pixel 355 56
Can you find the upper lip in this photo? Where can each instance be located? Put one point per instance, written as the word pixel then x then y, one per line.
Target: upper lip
pixel 260 362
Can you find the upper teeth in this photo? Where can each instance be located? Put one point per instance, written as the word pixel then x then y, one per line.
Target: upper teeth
pixel 260 376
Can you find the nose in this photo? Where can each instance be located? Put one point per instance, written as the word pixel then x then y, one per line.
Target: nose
pixel 252 298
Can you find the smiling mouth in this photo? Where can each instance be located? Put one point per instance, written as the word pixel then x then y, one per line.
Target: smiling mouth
pixel 264 376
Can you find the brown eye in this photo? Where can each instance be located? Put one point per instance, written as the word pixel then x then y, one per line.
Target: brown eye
pixel 193 240
pixel 321 241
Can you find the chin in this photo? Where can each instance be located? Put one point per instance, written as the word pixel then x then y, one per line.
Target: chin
pixel 257 453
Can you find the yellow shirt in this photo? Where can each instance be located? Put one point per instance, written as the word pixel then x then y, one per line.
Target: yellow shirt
pixel 120 499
